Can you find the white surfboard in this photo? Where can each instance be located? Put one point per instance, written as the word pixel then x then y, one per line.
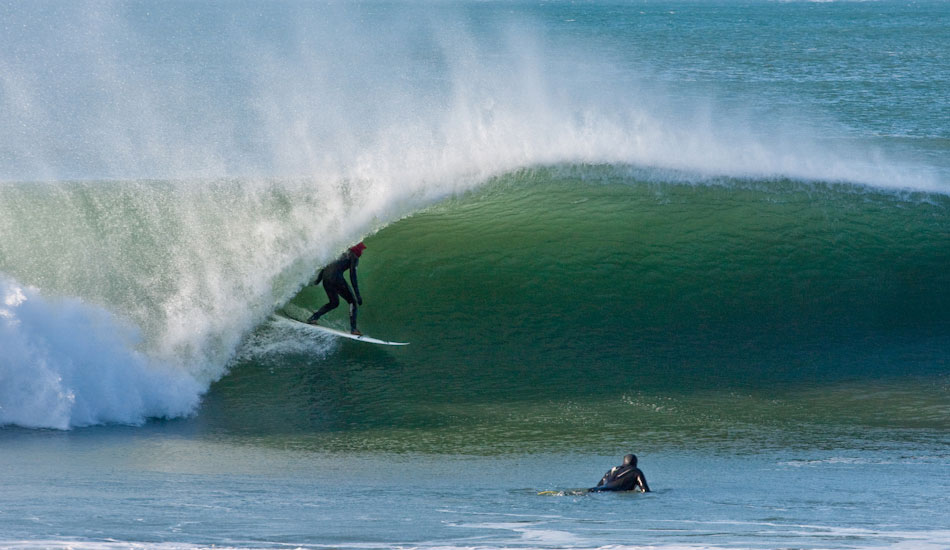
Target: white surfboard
pixel 335 332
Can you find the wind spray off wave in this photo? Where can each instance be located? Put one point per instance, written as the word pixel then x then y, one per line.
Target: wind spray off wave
pixel 440 93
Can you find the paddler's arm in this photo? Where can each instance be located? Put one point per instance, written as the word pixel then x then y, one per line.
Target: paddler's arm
pixel 642 482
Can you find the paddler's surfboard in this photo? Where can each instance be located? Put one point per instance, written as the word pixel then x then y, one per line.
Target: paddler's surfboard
pixel 340 333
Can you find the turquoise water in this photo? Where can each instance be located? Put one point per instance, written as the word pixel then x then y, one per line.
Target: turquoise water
pixel 714 234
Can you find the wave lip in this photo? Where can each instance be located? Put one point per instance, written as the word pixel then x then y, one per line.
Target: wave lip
pixel 69 364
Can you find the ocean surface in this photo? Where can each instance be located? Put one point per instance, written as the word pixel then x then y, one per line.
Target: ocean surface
pixel 712 233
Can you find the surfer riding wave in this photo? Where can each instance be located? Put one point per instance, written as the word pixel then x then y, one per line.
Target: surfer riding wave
pixel 335 286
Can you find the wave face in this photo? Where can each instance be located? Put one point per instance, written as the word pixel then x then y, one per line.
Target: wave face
pixel 171 178
pixel 579 307
pixel 591 282
pixel 572 276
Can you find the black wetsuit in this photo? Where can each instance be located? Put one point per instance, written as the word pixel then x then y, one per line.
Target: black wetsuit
pixel 335 286
pixel 626 477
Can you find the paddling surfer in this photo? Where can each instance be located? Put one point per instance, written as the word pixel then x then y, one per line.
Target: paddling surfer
pixel 335 285
pixel 625 477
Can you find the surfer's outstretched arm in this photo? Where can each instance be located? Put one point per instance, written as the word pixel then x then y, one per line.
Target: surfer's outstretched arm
pixel 318 279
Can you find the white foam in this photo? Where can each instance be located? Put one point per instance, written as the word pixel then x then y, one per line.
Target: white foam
pixel 64 363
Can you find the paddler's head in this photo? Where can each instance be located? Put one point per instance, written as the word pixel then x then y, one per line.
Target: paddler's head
pixel 630 460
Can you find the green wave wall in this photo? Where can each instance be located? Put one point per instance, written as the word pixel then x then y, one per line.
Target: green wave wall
pixel 557 306
pixel 547 281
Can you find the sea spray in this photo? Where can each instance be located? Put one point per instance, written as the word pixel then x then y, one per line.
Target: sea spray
pixel 194 264
pixel 208 91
